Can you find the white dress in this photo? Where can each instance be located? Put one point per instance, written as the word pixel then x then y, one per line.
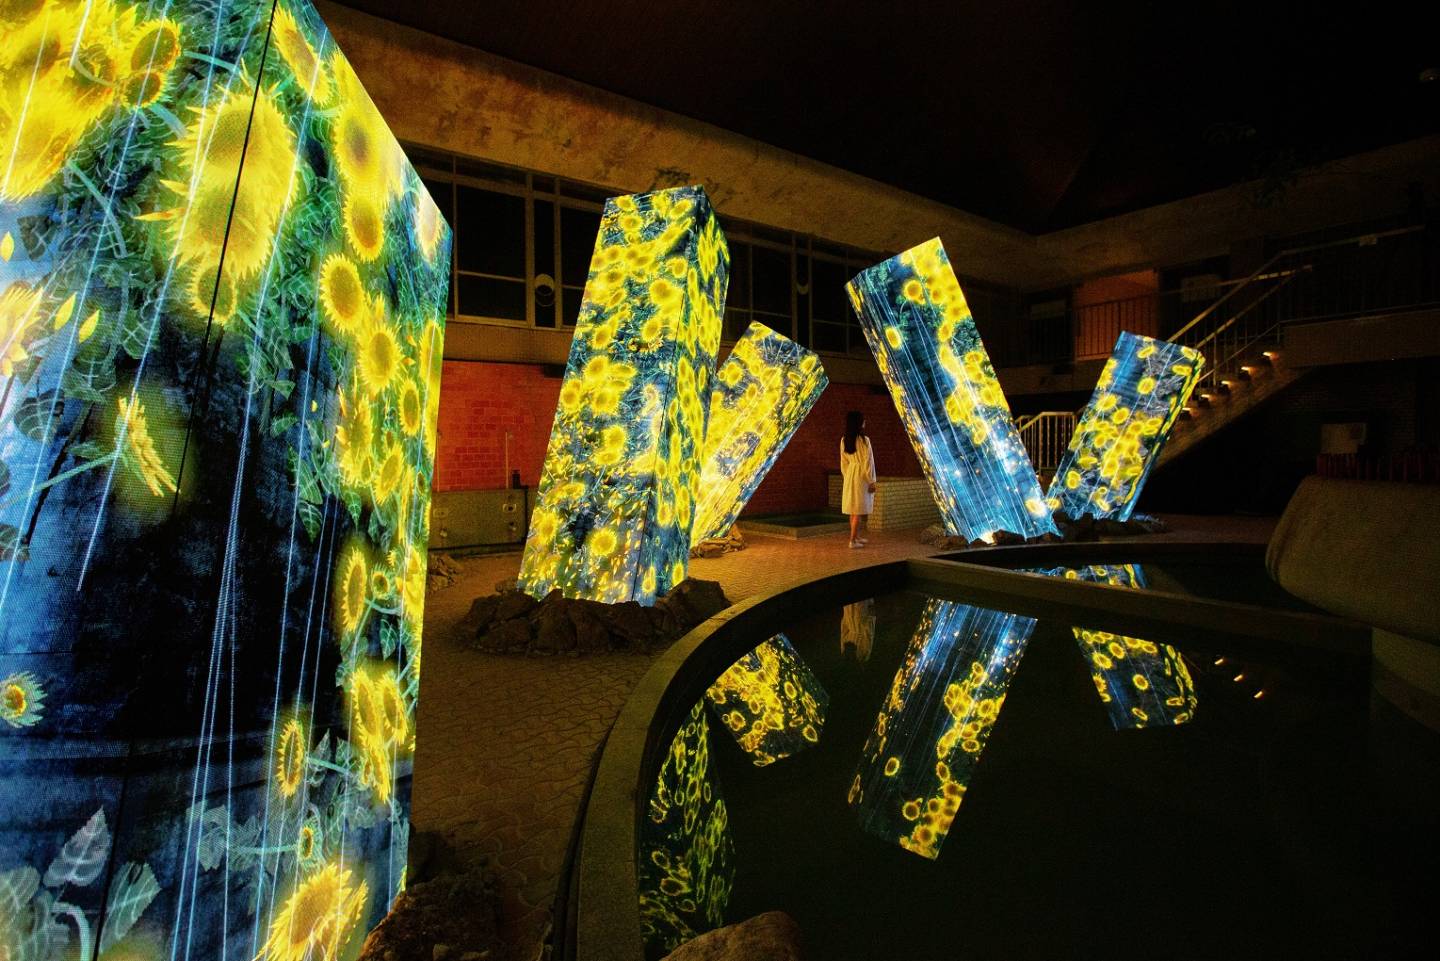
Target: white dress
pixel 857 473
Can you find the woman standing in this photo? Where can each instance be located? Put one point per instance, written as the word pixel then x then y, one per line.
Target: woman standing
pixel 857 474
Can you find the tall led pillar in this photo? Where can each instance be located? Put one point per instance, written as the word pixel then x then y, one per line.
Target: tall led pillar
pixel 222 302
pixel 1142 389
pixel 617 496
pixel 924 339
pixel 762 392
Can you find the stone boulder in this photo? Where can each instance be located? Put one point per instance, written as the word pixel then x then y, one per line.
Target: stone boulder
pixel 515 623
pixel 772 936
pixel 451 917
pixel 732 540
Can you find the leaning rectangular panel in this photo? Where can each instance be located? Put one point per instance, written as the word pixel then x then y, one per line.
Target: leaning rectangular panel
pixel 935 722
pixel 1142 389
pixel 1141 683
pixel 222 301
pixel 924 339
pixel 616 500
pixel 770 702
pixel 687 858
pixel 762 392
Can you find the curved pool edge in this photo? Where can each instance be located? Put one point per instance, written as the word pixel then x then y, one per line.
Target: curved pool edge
pixel 608 914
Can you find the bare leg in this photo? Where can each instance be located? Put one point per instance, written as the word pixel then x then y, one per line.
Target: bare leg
pixel 854 526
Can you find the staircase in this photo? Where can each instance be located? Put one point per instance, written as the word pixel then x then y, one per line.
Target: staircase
pixel 1242 334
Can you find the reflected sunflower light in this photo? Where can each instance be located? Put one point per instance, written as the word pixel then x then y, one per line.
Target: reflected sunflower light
pixel 763 391
pixel 1141 683
pixel 770 702
pixel 616 501
pixel 687 858
pixel 929 352
pixel 1117 441
pixel 940 711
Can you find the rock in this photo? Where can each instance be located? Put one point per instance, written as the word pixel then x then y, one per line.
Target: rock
pixel 934 534
pixel 507 584
pixel 481 615
pixel 732 540
pixel 630 621
pixel 693 601
pixel 554 631
pixel 442 572
pixel 451 915
pixel 510 637
pixel 1005 538
pixel 514 604
pixel 591 635
pixel 772 936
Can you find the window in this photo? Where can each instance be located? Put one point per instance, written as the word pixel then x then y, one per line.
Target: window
pixel 523 243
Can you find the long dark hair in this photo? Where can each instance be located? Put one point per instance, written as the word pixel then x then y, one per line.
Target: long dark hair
pixel 854 427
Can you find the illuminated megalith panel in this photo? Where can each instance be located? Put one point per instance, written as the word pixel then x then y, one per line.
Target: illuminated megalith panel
pixel 1142 389
pixel 927 347
pixel 770 701
pixel 617 496
pixel 222 304
pixel 935 722
pixel 762 392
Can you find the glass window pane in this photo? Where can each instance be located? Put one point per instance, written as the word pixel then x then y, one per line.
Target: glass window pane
pixel 546 287
pixel 577 244
pixel 735 323
pixel 827 289
pixel 738 292
pixel 487 297
pixel 829 337
pixel 771 280
pixel 442 192
pixel 489 233
pixel 570 305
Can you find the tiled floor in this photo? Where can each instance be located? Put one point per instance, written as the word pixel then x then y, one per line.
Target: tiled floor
pixel 506 743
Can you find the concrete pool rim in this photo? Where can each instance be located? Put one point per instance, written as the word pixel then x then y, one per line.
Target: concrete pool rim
pixel 605 910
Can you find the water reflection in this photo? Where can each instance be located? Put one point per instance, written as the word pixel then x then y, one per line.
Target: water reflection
pixel 935 722
pixel 770 702
pixel 687 859
pixel 1141 683
pixel 857 630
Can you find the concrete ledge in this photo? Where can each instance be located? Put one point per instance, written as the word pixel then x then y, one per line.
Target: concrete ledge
pixel 1413 333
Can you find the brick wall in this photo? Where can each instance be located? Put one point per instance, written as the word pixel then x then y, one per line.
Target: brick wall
pixel 900 503
pixel 480 401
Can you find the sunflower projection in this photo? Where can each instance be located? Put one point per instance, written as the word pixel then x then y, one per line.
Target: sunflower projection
pixel 1141 683
pixel 770 702
pixel 935 722
pixel 924 339
pixel 687 858
pixel 763 391
pixel 1142 389
pixel 617 496
pixel 222 299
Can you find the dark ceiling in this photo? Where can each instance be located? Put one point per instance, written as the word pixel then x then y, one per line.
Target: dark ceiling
pixel 1040 114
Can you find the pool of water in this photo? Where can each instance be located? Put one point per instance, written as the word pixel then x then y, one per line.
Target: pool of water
pixel 915 777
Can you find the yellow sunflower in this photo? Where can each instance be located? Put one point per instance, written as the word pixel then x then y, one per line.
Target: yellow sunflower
pixel 290 751
pixel 412 410
pixel 295 49
pixel 342 294
pixel 429 224
pixel 377 356
pixel 387 478
pixel 137 450
pixel 156 47
pixel 364 224
pixel 354 437
pixel 352 590
pixel 317 918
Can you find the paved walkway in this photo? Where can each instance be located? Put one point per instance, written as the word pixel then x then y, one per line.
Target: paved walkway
pixel 506 743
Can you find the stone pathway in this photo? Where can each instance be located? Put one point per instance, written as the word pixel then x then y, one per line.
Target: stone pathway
pixel 506 744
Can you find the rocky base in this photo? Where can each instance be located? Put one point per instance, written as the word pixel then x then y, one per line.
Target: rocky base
pixel 1084 528
pixel 443 572
pixel 772 936
pixel 512 622
pixel 715 546
pixel 450 916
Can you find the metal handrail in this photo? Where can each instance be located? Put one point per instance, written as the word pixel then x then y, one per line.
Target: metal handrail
pixel 1290 275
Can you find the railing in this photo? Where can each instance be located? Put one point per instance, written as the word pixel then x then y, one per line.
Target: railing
pixel 1411 467
pixel 1046 435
